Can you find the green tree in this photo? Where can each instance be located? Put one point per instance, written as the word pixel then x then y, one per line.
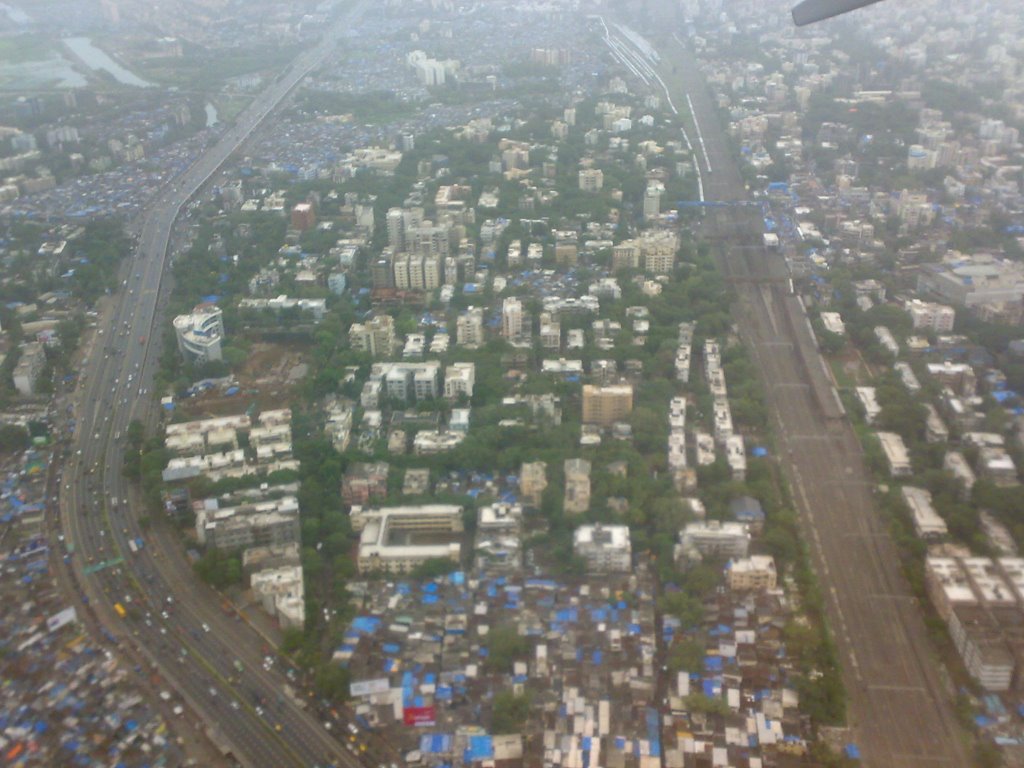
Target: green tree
pixel 509 712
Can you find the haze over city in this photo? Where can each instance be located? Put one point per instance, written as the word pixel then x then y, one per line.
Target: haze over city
pixel 512 385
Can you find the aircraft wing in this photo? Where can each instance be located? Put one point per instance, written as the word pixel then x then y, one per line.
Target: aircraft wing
pixel 810 11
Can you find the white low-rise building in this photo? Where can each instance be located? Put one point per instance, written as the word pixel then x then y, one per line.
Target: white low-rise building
pixel 867 397
pixel 282 593
pixel 927 522
pixel 756 572
pixel 956 464
pixel 887 340
pixel 315 307
pixel 713 538
pixel 896 454
pixel 833 323
pixel 907 377
pixel 605 548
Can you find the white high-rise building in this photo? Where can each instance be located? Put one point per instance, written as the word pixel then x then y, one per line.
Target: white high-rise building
pixel 512 319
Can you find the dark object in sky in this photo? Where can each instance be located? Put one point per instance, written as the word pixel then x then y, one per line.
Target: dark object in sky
pixel 810 11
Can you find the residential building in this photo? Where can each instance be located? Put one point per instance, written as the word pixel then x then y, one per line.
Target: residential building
pixel 303 217
pixel 591 179
pixel 377 337
pixel 604 548
pixel 532 482
pixel 409 380
pixel 469 328
pixel 928 316
pixel 281 592
pixel 754 573
pixel 512 319
pixel 550 332
pixel 896 454
pixel 429 442
pixel 887 340
pixel 652 201
pixel 317 308
pixel 935 429
pixel 30 365
pixel 364 482
pixel 200 333
pixel 959 377
pixel 713 538
pixel 458 380
pixel 927 522
pixel 956 464
pixel 866 396
pixel 608 404
pixel 498 544
pixel 398 539
pixel 577 486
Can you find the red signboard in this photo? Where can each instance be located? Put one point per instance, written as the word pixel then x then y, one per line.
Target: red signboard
pixel 419 716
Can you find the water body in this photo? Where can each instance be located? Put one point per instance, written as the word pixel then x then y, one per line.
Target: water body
pixel 96 59
pixel 211 115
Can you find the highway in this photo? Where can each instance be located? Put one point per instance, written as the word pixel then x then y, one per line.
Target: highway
pixel 899 712
pixel 213 660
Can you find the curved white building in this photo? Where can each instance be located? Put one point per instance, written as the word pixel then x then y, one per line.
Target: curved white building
pixel 200 333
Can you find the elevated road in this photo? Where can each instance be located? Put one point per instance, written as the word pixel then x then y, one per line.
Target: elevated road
pixel 215 662
pixel 899 712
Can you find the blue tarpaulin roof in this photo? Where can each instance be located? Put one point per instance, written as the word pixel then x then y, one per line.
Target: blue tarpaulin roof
pixel 480 748
pixel 366 625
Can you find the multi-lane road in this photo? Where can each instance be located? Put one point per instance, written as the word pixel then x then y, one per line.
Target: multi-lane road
pixel 214 661
pixel 899 712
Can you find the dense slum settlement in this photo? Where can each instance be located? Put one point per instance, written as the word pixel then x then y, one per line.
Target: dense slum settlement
pixel 432 662
pixel 64 700
pixel 436 669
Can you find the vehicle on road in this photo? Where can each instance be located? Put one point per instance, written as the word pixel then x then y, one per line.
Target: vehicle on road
pixel 120 611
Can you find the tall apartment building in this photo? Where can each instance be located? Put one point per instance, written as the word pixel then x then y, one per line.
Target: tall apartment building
pixel 591 179
pixel 626 255
pixel 407 380
pixel 577 486
pixel 376 336
pixel 469 328
pixel 400 223
pixel 200 333
pixel 512 319
pixel 608 404
pixel 533 480
pixel 550 332
pixel 652 201
pixel 428 239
